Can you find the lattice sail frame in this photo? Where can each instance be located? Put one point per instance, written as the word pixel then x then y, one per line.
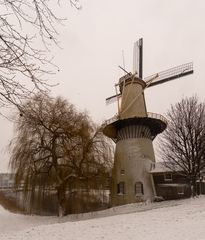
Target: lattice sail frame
pixel 171 74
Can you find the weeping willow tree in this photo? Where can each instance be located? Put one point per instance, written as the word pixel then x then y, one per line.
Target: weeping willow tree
pixel 56 147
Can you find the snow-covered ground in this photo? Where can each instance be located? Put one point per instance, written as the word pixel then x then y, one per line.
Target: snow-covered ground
pixel 180 220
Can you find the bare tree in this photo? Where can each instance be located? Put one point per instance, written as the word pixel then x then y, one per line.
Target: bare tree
pixel 183 143
pixel 23 25
pixel 56 146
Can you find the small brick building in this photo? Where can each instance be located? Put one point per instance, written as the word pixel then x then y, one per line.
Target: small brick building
pixel 172 184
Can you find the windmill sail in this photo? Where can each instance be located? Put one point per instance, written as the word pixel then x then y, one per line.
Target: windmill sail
pixel 113 98
pixel 140 58
pixel 171 74
pixel 135 59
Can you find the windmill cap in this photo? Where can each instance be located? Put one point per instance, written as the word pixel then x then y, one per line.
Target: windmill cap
pixel 128 79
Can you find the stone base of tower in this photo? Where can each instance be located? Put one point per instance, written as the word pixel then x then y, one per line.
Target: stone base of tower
pixel 131 178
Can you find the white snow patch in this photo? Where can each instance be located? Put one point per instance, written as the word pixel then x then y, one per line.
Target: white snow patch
pixel 174 220
pixel 13 223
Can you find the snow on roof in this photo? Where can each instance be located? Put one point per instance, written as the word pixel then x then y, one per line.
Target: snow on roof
pixel 162 167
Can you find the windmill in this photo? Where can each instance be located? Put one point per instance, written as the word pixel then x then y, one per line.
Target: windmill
pixel 133 129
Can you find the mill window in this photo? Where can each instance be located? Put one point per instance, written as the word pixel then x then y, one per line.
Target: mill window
pixel 122 172
pixel 139 189
pixel 121 188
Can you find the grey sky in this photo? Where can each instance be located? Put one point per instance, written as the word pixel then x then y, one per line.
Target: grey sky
pixel 92 41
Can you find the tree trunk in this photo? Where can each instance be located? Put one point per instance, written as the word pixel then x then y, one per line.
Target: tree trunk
pixel 61 194
pixel 193 188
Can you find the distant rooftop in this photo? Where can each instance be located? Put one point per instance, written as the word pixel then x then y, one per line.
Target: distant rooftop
pixel 160 167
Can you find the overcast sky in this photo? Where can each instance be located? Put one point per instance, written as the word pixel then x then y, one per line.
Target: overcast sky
pixel 92 41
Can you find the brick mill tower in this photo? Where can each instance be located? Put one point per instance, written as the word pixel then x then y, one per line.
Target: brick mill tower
pixel 133 130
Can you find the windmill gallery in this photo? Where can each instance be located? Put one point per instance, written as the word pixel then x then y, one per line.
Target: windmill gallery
pixel 133 130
